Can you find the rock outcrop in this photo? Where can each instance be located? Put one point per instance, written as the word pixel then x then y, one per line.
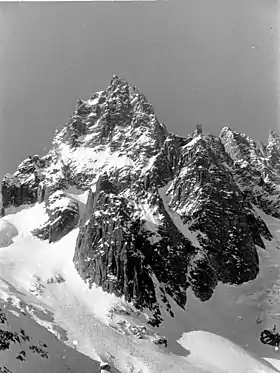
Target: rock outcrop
pixel 21 188
pixel 63 217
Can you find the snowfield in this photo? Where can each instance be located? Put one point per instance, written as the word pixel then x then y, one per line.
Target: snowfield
pixel 219 353
pixel 61 358
pixel 39 279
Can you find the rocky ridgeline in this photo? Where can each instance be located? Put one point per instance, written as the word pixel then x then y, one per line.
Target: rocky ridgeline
pixel 164 213
pixel 256 168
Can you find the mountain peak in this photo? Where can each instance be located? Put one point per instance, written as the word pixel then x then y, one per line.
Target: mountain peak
pixel 116 81
pixel 116 77
pixel 197 129
pixel 160 208
pixel 226 131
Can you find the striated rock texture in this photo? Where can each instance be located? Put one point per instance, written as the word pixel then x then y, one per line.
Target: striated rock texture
pixel 164 213
pixel 120 249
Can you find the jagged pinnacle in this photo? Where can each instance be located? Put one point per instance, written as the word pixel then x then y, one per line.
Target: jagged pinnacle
pixel 116 80
pixel 225 131
pixel 197 129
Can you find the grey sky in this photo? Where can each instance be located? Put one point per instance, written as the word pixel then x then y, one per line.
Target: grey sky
pixel 201 61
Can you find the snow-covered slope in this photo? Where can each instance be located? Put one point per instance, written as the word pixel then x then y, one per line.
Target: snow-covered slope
pixel 28 347
pixel 40 281
pixel 216 353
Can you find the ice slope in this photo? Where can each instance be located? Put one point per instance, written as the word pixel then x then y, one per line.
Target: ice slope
pixel 43 274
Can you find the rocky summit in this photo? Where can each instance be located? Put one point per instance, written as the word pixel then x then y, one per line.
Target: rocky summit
pixel 163 213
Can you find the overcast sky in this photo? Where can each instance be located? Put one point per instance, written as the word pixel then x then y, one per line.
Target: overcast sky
pixel 201 61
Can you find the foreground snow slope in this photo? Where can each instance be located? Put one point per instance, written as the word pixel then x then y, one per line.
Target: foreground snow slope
pixel 30 265
pixel 275 363
pixel 40 279
pixel 210 350
pixel 57 356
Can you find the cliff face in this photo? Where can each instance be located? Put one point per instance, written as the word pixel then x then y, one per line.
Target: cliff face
pixel 21 188
pixel 163 213
pixel 126 240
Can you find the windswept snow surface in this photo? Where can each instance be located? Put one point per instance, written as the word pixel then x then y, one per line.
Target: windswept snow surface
pixel 32 266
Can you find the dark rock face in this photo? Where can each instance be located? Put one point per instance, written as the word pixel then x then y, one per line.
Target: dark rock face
pixel 21 187
pixel 16 193
pixel 167 161
pixel 208 200
pixel 164 213
pixel 116 251
pixel 120 268
pixel 63 217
